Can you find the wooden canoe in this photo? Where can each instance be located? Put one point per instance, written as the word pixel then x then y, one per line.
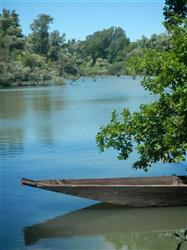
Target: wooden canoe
pixel 132 192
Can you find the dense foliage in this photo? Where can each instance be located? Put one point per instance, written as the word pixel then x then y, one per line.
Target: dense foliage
pixel 45 56
pixel 177 8
pixel 158 131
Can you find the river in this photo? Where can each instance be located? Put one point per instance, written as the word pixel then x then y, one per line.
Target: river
pixel 49 132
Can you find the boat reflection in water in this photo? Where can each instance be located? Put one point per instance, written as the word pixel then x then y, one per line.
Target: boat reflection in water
pixel 119 227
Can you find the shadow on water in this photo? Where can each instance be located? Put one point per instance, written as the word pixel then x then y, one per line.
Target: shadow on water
pixel 143 228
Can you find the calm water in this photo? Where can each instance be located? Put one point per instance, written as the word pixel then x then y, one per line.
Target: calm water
pixel 50 133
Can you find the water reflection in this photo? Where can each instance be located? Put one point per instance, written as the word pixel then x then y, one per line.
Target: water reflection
pixel 48 100
pixel 145 228
pixel 12 105
pixel 27 116
pixel 45 135
pixel 12 141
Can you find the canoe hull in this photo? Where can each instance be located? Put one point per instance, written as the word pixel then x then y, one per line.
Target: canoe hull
pixel 131 192
pixel 130 196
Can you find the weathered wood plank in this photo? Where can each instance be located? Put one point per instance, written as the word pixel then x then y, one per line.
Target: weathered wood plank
pixel 132 192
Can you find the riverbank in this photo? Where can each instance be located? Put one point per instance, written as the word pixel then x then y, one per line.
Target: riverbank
pixel 31 84
pixel 53 83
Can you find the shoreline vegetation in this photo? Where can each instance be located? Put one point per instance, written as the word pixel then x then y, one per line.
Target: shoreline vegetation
pixel 66 81
pixel 46 56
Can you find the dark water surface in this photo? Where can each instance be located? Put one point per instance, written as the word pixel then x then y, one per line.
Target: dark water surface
pixel 49 132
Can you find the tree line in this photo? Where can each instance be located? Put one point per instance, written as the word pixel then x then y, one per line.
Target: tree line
pixel 46 56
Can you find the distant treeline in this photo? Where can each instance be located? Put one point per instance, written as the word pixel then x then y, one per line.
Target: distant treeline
pixel 45 56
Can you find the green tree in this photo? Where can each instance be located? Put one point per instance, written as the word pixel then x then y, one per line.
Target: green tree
pixel 40 34
pixel 11 46
pixel 158 131
pixel 116 68
pixel 174 8
pixel 100 67
pixel 11 38
pixel 118 43
pixel 158 42
pixel 106 44
pixel 56 42
pixel 76 49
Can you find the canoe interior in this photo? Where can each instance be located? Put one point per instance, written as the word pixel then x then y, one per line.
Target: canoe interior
pixel 163 180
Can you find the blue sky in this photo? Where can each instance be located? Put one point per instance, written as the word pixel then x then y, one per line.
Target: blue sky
pixel 79 18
